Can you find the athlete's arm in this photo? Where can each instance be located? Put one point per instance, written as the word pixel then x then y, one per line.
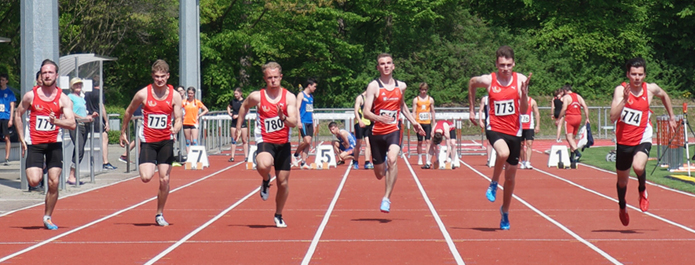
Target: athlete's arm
pixel 480 113
pixel 620 96
pixel 432 120
pixel 139 97
pixel 523 92
pixel 408 115
pixel 178 112
pixel 586 108
pixel 473 85
pixel 9 123
pixel 358 102
pixel 19 122
pixel 205 110
pixel 68 119
pixel 300 98
pixel 552 108
pixel 537 114
pixel 415 104
pixel 344 136
pixel 666 100
pixel 566 101
pixel 292 119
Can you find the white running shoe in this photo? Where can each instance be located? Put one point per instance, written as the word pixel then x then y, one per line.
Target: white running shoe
pixel 419 161
pixel 160 220
pixel 265 186
pixel 295 161
pixel 528 165
pixel 279 222
pixel 522 165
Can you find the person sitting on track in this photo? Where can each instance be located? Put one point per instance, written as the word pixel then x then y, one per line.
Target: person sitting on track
pixel 345 145
pixel 439 134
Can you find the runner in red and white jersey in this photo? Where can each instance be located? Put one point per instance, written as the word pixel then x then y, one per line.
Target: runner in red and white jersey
pixel 383 103
pixel 159 100
pixel 508 96
pixel 442 130
pixel 50 110
pixel 572 105
pixel 630 111
pixel 269 127
pixel 276 113
pixel 529 128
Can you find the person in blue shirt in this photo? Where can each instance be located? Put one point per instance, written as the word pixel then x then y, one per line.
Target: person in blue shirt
pixel 7 104
pixel 79 107
pixel 305 105
pixel 345 145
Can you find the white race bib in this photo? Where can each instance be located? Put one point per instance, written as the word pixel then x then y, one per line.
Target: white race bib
pixel 273 124
pixel 424 116
pixel 525 118
pixel 504 107
pixel 309 108
pixel 2 107
pixel 43 123
pixel 631 116
pixel 156 121
pixel 391 113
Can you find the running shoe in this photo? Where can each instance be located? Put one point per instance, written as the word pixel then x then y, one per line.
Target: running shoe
pixel 368 165
pixel 385 205
pixel 305 166
pixel 279 222
pixel 643 201
pixel 356 166
pixel 426 166
pixel 419 161
pixel 295 161
pixel 264 189
pixel 108 166
pixel 123 159
pixel 231 159
pixel 528 165
pixel 491 193
pixel 577 155
pixel 624 218
pixel 504 223
pixel 558 140
pixel 49 224
pixel 159 219
pixel 7 163
pixel 522 165
pixel 340 163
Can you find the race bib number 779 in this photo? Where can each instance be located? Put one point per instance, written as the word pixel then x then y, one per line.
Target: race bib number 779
pixel 43 123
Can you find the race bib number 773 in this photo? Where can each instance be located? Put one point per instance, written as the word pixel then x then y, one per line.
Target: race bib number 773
pixel 504 107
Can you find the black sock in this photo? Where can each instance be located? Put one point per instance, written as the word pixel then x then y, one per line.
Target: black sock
pixel 621 196
pixel 278 216
pixel 642 181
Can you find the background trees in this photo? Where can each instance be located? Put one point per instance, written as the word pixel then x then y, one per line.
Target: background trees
pixel 441 42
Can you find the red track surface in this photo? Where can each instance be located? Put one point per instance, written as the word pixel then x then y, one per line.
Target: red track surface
pixel 559 216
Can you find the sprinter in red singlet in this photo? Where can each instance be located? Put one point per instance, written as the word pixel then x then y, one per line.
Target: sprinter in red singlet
pixel 572 105
pixel 442 130
pixel 159 102
pixel 508 97
pixel 383 105
pixel 49 111
pixel 276 113
pixel 630 109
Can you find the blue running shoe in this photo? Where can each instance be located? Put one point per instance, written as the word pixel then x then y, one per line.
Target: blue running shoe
pixel 49 224
pixel 491 193
pixel 385 206
pixel 355 165
pixel 368 165
pixel 504 223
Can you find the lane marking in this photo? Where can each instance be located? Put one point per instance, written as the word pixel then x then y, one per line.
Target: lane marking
pixel 108 216
pixel 322 226
pixel 556 223
pixel 200 228
pixel 615 200
pixel 435 215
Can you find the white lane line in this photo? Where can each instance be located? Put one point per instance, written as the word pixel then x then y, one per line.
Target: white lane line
pixel 107 217
pixel 556 223
pixel 442 228
pixel 648 182
pixel 200 228
pixel 329 211
pixel 615 200
pixel 69 195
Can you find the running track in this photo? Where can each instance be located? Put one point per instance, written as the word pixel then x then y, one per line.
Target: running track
pixel 437 217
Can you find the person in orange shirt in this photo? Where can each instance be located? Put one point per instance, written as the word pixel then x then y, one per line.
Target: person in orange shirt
pixel 423 110
pixel 191 106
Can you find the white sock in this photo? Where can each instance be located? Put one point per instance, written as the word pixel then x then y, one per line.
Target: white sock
pixel 428 157
pixel 46 217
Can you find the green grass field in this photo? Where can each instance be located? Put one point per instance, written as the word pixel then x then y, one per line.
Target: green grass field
pixel 596 156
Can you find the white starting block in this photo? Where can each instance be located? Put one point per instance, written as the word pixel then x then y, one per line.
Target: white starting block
pixel 197 158
pixel 325 157
pixel 493 158
pixel 443 159
pixel 251 159
pixel 559 157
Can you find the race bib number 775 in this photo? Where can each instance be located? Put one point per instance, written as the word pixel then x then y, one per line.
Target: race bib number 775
pixel 157 121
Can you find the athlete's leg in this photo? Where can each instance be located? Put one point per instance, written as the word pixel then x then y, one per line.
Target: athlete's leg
pixel 264 163
pixel 163 193
pixel 283 192
pixel 509 183
pixel 392 173
pixel 529 150
pixel 245 141
pixel 367 150
pixel 146 171
pixel 307 147
pixel 502 154
pixel 52 194
pixel 559 128
pixel 232 130
pixel 194 136
pixel 187 134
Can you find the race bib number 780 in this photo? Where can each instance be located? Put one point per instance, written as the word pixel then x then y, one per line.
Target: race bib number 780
pixel 273 124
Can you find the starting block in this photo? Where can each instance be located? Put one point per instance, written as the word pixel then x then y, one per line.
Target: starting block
pixel 197 158
pixel 493 158
pixel 325 157
pixel 322 165
pixel 251 159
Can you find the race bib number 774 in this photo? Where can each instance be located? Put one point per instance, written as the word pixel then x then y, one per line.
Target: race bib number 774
pixel 631 116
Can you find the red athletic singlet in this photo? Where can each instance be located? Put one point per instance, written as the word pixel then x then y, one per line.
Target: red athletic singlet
pixel 574 108
pixel 527 121
pixel 387 103
pixel 272 129
pixel 440 126
pixel 503 107
pixel 41 131
pixel 634 126
pixel 157 117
